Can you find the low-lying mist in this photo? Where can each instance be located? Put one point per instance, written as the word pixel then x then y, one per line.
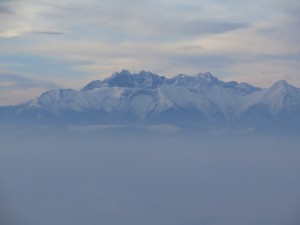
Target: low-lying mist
pixel 133 178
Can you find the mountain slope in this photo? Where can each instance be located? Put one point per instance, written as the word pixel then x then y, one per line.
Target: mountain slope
pixel 146 98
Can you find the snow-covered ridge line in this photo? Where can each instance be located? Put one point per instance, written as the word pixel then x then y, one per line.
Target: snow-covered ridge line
pixel 150 80
pixel 149 99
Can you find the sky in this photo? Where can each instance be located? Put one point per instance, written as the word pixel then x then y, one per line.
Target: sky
pixel 49 44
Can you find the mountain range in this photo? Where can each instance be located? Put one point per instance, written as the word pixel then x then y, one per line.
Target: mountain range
pixel 149 99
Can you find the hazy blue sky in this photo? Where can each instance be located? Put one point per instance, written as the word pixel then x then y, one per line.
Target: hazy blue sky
pixel 49 43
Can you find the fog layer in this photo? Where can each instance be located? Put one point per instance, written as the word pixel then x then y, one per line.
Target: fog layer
pixel 118 179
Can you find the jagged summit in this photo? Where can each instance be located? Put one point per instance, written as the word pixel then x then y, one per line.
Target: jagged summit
pixel 124 78
pixel 207 76
pixel 140 80
pixel 198 80
pixel 149 80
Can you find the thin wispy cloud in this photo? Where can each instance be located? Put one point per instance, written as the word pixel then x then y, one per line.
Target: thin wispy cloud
pixel 12 81
pixel 18 88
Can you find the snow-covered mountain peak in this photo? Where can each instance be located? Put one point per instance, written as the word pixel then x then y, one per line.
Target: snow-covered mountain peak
pixel 204 81
pixel 282 87
pixel 201 80
pixel 123 73
pixel 148 80
pixel 143 79
pixel 119 78
pixel 281 97
pixel 207 76
pixel 281 84
pixel 93 85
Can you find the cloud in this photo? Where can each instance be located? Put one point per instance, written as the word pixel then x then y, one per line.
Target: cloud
pixel 4 9
pixel 116 18
pixel 201 27
pixel 12 81
pixel 19 33
pixel 16 88
pixel 26 18
pixel 91 40
pixel 49 32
